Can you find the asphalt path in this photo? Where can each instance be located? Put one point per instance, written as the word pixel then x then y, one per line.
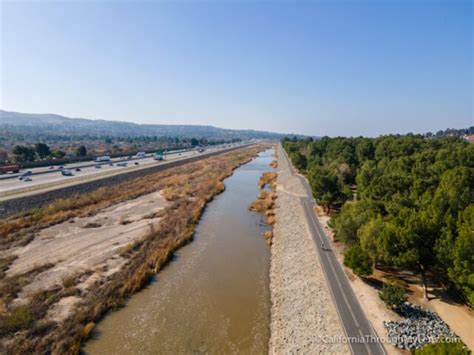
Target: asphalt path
pixel 362 337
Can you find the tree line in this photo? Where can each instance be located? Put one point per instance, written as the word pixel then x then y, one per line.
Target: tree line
pixel 25 153
pixel 404 201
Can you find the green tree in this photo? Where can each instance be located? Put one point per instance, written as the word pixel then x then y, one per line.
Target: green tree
pixel 411 198
pixel 58 154
pixel 462 271
pixel 443 348
pixel 392 295
pixel 299 160
pixel 408 241
pixel 42 149
pixel 81 151
pixel 369 238
pixel 364 150
pixel 358 260
pixel 23 153
pixel 327 187
pixel 352 216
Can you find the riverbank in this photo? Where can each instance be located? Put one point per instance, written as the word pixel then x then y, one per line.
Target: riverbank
pixel 213 297
pixel 57 315
pixel 303 315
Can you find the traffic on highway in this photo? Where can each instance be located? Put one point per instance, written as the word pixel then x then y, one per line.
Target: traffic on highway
pixel 34 178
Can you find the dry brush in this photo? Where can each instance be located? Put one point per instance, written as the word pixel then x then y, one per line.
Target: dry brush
pixel 188 189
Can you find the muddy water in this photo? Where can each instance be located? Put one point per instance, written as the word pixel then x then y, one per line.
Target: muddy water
pixel 214 296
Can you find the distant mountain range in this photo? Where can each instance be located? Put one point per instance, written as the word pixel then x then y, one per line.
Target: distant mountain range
pixel 37 125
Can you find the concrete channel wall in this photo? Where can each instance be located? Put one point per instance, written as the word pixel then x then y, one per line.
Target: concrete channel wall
pixel 17 205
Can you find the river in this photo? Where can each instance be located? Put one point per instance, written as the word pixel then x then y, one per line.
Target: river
pixel 213 297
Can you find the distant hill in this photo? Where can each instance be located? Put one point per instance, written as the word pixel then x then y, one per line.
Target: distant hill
pixel 37 125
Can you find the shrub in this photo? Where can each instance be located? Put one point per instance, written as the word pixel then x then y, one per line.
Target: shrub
pixel 86 331
pixel 19 319
pixel 443 348
pixel 358 260
pixel 92 225
pixel 69 281
pixel 267 178
pixel 392 295
pixel 5 263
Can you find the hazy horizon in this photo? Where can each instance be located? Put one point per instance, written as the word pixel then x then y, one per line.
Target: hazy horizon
pixel 314 68
pixel 273 131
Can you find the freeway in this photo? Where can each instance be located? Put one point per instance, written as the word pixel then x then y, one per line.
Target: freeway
pixel 91 163
pixel 355 323
pixel 54 179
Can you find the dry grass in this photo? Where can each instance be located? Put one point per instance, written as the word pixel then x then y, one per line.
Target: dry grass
pixel 92 225
pixel 70 281
pixel 267 179
pixel 153 215
pixel 10 286
pixel 173 182
pixel 268 237
pixel 86 331
pixel 124 222
pixel 188 188
pixel 5 264
pixel 265 202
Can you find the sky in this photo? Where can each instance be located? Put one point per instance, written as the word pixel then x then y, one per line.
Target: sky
pixel 310 67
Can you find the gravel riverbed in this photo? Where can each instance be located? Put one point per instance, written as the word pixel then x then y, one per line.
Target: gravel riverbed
pixel 303 315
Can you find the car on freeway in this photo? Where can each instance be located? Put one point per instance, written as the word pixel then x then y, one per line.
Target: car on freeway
pixel 60 167
pixel 98 166
pixel 28 172
pixel 66 172
pixel 122 164
pixel 26 179
pixel 158 156
pixel 103 158
pixel 137 163
pixel 78 169
pixel 111 164
pixel 51 167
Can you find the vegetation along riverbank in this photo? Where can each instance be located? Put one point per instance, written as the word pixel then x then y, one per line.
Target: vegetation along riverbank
pixel 117 238
pixel 265 201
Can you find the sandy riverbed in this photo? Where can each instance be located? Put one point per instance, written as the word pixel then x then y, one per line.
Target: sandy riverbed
pixel 302 311
pixel 79 245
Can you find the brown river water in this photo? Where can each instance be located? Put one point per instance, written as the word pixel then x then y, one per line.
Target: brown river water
pixel 213 297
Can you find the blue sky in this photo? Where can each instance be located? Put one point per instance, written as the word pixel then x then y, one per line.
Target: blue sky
pixel 314 67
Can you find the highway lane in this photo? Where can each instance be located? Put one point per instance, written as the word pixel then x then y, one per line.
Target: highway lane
pixel 355 323
pixel 11 187
pixel 90 163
